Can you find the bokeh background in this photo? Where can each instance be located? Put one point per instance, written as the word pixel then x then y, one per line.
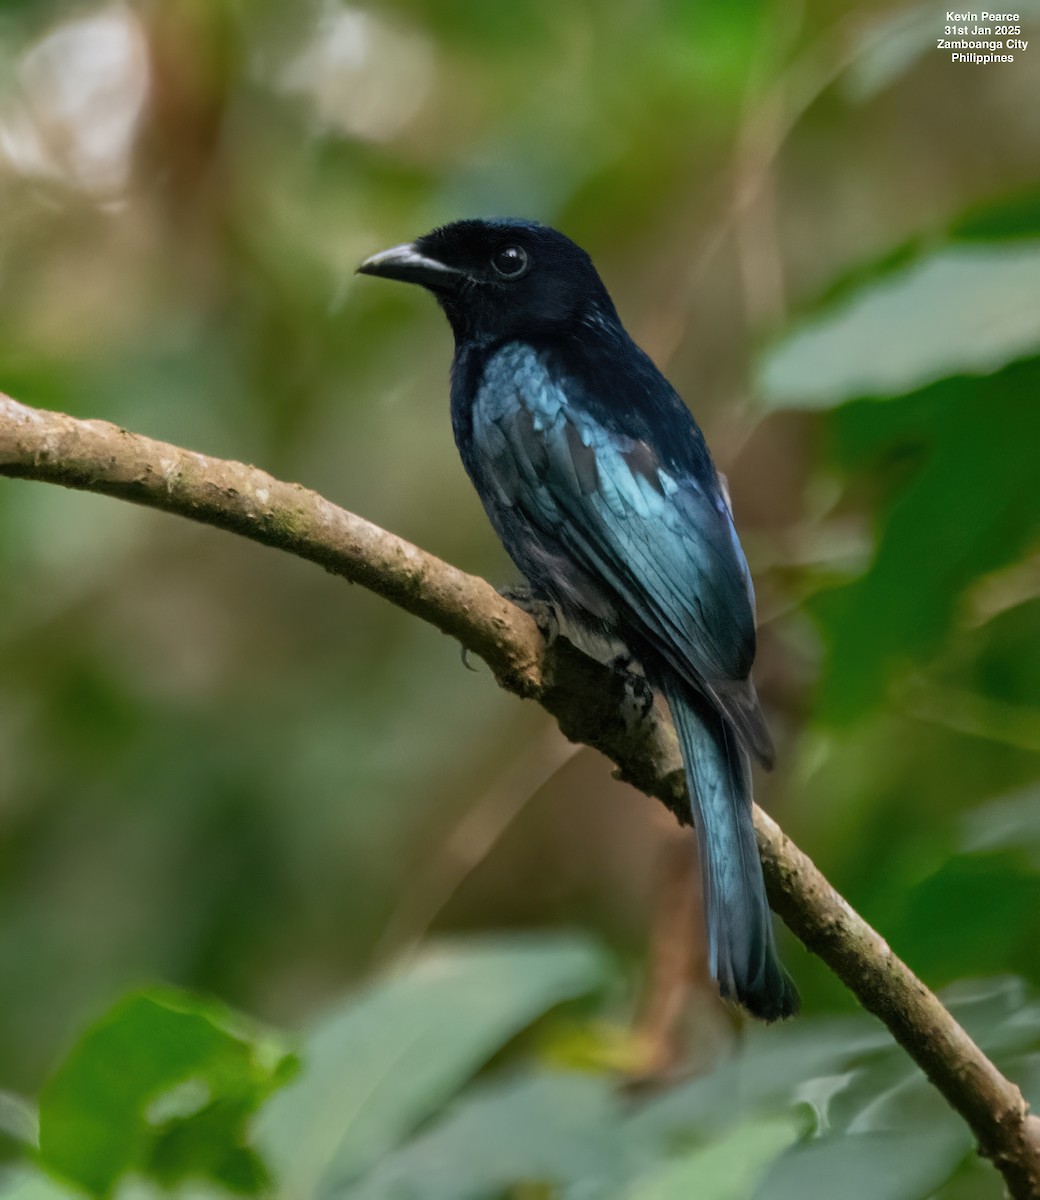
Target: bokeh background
pixel 225 770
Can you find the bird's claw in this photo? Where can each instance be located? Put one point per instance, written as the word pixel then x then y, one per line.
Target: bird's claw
pixel 638 692
pixel 543 612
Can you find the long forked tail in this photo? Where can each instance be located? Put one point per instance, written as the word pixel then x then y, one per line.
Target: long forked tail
pixel 742 952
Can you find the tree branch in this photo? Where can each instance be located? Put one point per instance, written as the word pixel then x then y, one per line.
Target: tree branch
pixel 584 696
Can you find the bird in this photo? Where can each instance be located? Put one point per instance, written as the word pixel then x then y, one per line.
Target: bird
pixel 601 488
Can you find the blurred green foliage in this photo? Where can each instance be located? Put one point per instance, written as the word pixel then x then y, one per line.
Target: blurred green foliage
pixel 220 768
pixel 814 1109
pixel 162 1085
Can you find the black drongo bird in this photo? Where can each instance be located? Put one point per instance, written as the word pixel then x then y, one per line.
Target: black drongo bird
pixel 600 485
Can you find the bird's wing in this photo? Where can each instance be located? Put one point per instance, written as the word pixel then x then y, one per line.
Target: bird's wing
pixel 662 544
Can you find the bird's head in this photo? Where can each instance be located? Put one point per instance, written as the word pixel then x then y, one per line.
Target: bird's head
pixel 501 278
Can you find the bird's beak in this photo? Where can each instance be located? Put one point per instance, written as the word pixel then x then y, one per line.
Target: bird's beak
pixel 412 266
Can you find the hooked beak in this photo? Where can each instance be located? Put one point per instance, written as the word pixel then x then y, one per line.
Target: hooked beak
pixel 409 264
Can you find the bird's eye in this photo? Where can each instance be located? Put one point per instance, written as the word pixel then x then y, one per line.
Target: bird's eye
pixel 510 262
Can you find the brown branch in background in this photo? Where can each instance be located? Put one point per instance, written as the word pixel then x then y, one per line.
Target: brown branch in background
pixel 584 696
pixel 678 977
pixel 436 880
pixel 746 216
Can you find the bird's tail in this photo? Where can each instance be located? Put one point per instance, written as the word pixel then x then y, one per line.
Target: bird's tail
pixel 742 952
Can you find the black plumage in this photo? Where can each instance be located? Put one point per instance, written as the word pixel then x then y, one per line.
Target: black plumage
pixel 600 485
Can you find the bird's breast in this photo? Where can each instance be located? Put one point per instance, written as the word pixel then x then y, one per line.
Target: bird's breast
pixel 517 374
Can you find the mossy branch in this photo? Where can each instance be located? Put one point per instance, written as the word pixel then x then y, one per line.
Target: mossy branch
pixel 584 696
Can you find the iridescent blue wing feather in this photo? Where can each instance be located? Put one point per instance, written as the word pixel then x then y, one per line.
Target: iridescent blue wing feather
pixel 616 526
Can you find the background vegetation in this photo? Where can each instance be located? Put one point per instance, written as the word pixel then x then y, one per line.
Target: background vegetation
pixel 226 774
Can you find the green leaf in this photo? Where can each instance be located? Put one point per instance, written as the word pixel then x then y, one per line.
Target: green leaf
pixel 394 1053
pixel 1001 1014
pixel 728 1169
pixel 32 1185
pixel 558 1129
pixel 19 1119
pixel 866 1166
pixel 137 1189
pixel 976 914
pixel 967 308
pixel 161 1085
pixel 1015 217
pixel 773 1063
pixel 1007 823
pixel 968 510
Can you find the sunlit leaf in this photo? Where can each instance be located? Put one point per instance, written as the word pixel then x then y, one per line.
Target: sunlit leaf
pixel 1008 823
pixel 967 308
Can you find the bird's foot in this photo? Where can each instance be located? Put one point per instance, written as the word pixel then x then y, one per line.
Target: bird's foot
pixel 542 611
pixel 639 695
